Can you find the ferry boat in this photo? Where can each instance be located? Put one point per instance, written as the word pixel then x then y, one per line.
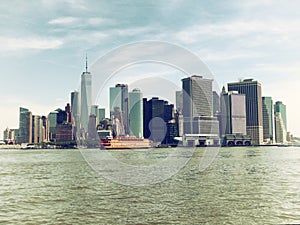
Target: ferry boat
pixel 125 142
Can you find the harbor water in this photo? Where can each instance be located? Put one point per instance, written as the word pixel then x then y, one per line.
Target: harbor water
pixel 243 185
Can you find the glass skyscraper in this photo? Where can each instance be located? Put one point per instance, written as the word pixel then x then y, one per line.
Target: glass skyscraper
pixel 268 118
pixel 118 106
pixel 25 126
pixel 86 98
pixel 136 113
pixel 254 118
pixel 280 122
pixel 281 108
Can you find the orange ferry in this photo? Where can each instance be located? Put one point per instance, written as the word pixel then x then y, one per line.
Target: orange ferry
pixel 125 142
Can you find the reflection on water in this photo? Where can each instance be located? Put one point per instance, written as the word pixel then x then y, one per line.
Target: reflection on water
pixel 242 186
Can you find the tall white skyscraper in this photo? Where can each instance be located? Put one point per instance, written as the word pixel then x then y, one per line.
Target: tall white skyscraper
pixel 136 113
pixel 86 97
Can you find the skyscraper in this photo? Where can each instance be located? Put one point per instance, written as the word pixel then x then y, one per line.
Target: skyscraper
pixel 268 115
pixel 136 113
pixel 159 120
pixel 52 120
pixel 280 107
pixel 86 97
pixel 254 121
pixel 119 106
pixel 280 131
pixel 45 129
pixel 197 100
pixel 36 129
pixel 280 122
pixel 25 126
pixel 75 112
pixel 233 113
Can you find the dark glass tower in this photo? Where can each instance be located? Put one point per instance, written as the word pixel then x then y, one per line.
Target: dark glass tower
pixel 254 118
pixel 25 126
pixel 158 120
pixel 268 118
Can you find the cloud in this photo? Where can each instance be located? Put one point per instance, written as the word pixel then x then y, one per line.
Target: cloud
pixel 63 21
pixel 12 44
pixel 80 22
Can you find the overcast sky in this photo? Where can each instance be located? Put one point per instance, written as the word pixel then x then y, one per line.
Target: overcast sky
pixel 43 46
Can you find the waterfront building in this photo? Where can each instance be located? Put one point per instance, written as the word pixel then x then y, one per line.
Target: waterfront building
pixel 136 113
pixel 254 119
pixel 159 121
pixel 280 107
pixel 280 131
pixel 25 126
pixel 233 113
pixel 268 118
pixel 198 120
pixel 64 130
pixel 197 100
pixel 86 98
pixel 119 107
pixel 35 129
pixel 280 122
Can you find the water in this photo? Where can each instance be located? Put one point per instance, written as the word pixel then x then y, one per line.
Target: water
pixel 242 186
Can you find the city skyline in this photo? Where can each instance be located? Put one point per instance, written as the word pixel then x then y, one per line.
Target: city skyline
pixel 243 103
pixel 43 54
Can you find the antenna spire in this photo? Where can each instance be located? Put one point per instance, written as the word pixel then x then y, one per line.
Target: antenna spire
pixel 86 63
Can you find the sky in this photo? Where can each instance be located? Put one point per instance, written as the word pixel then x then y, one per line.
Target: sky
pixel 43 45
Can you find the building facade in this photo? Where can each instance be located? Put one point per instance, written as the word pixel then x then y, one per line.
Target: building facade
pixel 86 98
pixel 136 113
pixel 268 118
pixel 25 126
pixel 119 106
pixel 197 100
pixel 280 131
pixel 159 121
pixel 254 120
pixel 233 113
pixel 281 108
pixel 280 122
